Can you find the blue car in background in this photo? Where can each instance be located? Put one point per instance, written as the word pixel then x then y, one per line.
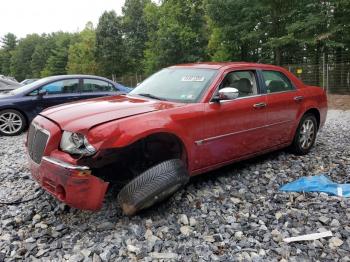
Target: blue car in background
pixel 18 107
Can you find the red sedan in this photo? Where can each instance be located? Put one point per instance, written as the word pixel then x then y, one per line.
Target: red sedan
pixel 182 121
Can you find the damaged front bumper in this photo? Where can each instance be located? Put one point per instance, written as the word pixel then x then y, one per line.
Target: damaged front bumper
pixel 71 184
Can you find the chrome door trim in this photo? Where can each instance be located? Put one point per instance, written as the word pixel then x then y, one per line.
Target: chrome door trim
pixel 238 98
pixel 281 92
pixel 201 142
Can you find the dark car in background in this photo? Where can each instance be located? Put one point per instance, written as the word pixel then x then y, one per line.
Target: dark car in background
pixel 18 107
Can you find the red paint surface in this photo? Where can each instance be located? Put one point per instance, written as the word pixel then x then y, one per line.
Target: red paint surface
pixel 77 190
pixel 231 131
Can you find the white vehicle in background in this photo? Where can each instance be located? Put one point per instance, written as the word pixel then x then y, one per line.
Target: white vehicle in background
pixel 28 81
pixel 7 85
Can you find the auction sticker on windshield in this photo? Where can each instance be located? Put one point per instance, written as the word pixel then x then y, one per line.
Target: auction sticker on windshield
pixel 192 79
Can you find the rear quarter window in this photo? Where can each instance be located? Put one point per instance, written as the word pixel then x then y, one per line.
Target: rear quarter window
pixel 276 81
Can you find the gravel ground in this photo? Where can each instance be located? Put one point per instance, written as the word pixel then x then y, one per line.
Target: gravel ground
pixel 233 214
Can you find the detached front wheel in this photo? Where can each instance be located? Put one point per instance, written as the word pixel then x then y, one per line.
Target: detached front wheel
pixel 305 135
pixel 152 186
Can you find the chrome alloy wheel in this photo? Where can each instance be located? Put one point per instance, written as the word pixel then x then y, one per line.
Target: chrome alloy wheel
pixel 307 134
pixel 10 123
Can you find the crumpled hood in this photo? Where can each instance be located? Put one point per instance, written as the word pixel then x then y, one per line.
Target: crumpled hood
pixel 83 115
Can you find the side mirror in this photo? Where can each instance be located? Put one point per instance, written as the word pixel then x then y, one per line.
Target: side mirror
pixel 42 92
pixel 227 93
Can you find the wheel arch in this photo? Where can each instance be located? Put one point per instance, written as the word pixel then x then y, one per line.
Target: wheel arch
pixel 316 113
pixel 138 155
pixel 170 137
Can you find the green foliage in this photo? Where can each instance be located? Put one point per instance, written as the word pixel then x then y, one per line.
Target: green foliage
pixel 58 58
pixel 153 34
pixel 110 47
pixel 180 35
pixel 9 42
pixel 21 57
pixel 40 55
pixel 135 28
pixel 81 55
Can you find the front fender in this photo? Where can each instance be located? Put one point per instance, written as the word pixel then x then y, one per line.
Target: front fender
pixel 185 122
pixel 113 135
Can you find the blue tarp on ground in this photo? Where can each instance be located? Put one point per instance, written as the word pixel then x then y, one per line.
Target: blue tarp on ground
pixel 319 183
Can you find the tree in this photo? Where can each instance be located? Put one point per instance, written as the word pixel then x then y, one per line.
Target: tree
pixel 152 16
pixel 180 37
pixel 254 31
pixel 153 34
pixel 58 58
pixel 41 54
pixel 341 36
pixel 81 55
pixel 110 47
pixel 9 42
pixel 22 56
pixel 39 59
pixel 135 32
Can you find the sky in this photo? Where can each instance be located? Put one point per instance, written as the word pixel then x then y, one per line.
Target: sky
pixel 23 17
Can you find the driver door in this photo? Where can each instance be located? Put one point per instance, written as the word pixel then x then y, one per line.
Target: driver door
pixel 58 92
pixel 235 128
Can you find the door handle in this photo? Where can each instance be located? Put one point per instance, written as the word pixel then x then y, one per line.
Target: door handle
pixel 259 105
pixel 298 98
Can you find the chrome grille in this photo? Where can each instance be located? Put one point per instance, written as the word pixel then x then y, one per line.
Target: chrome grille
pixel 37 139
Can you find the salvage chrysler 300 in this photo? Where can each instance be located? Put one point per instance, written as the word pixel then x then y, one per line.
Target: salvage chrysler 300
pixel 182 121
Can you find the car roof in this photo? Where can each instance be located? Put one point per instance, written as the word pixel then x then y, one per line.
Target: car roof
pixel 46 80
pixel 225 65
pixel 59 77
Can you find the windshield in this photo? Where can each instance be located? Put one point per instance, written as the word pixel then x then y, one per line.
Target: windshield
pixel 176 84
pixel 28 87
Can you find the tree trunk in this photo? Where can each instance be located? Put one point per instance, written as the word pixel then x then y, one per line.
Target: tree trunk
pixel 244 52
pixel 278 56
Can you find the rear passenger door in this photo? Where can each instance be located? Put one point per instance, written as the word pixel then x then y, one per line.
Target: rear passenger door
pixel 282 106
pixel 96 88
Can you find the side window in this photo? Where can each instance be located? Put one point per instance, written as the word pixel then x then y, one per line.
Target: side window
pixel 94 85
pixel 244 81
pixel 276 82
pixel 67 86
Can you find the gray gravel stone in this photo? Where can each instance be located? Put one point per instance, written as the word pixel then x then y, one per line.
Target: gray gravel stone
pixel 76 258
pixel 96 258
pixel 236 213
pixel 335 242
pixel 164 255
pixel 183 219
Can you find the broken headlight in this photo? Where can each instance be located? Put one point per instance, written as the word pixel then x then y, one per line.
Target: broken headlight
pixel 76 144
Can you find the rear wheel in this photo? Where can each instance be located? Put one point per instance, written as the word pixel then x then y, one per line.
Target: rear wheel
pixel 12 122
pixel 305 135
pixel 152 186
